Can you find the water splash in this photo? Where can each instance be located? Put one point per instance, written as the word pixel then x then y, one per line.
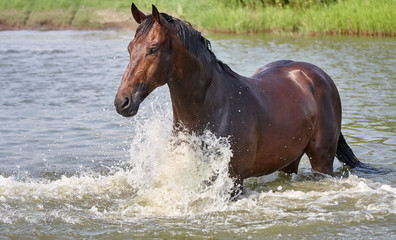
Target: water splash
pixel 174 173
pixel 168 183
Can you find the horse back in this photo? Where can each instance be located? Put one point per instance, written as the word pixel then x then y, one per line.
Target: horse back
pixel 285 73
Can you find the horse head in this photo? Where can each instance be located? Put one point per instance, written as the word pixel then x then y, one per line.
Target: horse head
pixel 149 64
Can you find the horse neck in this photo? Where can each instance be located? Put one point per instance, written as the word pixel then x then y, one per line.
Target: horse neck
pixel 189 91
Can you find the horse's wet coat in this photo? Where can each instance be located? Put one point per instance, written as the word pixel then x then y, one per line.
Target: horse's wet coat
pixel 284 110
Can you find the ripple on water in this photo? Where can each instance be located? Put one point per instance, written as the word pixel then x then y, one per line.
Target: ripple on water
pixel 70 166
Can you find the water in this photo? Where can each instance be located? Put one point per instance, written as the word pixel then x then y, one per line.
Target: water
pixel 70 167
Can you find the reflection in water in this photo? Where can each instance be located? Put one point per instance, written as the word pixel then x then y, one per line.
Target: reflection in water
pixel 70 166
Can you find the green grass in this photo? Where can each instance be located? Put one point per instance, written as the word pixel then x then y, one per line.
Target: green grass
pixel 361 17
pixel 354 16
pixel 364 17
pixel 37 5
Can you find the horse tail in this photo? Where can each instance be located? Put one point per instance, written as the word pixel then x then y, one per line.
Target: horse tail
pixel 345 154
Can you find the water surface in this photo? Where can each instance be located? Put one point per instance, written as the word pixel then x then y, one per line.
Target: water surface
pixel 70 167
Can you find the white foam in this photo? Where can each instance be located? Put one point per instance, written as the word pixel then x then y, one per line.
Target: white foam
pixel 170 171
pixel 167 176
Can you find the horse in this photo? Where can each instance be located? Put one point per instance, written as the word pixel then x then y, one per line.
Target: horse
pixel 284 110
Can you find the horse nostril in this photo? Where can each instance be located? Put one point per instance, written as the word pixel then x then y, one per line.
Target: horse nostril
pixel 125 104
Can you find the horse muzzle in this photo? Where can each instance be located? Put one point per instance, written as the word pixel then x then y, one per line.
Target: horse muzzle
pixel 128 106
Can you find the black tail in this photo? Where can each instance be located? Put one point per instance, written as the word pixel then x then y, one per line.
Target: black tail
pixel 345 154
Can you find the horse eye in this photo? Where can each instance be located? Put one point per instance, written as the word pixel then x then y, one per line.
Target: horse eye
pixel 152 51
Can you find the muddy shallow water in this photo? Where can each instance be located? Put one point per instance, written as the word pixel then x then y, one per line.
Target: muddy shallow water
pixel 70 167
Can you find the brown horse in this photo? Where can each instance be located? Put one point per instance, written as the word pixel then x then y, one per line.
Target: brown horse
pixel 284 110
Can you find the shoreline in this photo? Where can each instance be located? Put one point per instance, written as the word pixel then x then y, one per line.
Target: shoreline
pixel 60 19
pixel 87 18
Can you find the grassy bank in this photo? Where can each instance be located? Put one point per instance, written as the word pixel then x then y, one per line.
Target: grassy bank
pixel 360 17
pixel 65 14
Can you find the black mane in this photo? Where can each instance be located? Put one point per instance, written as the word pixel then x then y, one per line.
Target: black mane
pixel 191 38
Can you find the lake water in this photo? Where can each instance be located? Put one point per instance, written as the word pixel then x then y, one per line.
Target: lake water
pixel 71 167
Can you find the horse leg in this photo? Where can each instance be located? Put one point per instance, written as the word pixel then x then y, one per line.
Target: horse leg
pixel 292 167
pixel 237 189
pixel 321 152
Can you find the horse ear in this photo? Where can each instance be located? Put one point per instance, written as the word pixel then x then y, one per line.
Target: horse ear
pixel 158 17
pixel 137 14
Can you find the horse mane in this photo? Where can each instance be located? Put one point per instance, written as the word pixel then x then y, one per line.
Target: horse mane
pixel 191 38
